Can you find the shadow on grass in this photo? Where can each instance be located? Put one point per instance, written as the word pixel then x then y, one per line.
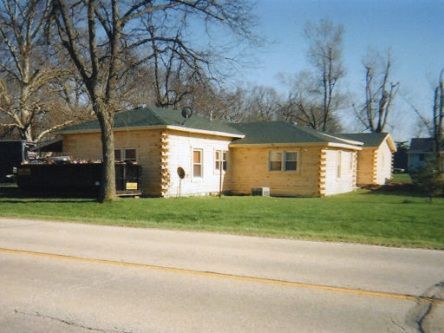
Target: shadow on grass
pixel 44 200
pixel 401 189
pixel 12 194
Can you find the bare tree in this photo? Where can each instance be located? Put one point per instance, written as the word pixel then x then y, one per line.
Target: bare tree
pixel 438 115
pixel 178 68
pixel 325 54
pixel 25 96
pixel 434 125
pixel 380 92
pixel 255 103
pixel 302 105
pixel 262 104
pixel 117 31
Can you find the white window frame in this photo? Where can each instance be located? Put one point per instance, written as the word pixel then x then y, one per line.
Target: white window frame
pixel 269 160
pixel 283 160
pixel 217 161
pixel 201 163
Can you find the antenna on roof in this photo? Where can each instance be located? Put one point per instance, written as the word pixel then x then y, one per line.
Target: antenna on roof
pixel 187 112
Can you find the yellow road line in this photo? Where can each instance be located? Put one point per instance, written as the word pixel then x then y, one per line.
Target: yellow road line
pixel 244 278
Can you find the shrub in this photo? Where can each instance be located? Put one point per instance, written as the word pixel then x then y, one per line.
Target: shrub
pixel 429 179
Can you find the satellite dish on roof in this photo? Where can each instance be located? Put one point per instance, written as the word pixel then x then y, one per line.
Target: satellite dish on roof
pixel 187 112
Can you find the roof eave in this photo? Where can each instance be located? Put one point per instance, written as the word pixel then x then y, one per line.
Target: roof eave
pixel 343 145
pixel 391 143
pixel 209 132
pixel 276 144
pixel 176 128
pixel 348 141
pixel 294 144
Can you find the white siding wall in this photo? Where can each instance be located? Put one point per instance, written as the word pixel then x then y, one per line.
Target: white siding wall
pixel 180 154
pixel 384 164
pixel 344 180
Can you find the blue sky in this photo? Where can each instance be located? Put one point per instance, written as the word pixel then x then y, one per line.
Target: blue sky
pixel 413 29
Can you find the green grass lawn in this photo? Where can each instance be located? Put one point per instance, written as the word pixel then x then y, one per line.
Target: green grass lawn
pixel 402 178
pixel 365 217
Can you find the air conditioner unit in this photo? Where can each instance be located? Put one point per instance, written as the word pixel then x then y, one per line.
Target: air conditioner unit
pixel 261 191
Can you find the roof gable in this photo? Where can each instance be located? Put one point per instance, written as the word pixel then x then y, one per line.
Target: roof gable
pixel 371 139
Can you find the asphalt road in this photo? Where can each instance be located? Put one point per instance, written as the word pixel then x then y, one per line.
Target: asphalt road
pixel 64 277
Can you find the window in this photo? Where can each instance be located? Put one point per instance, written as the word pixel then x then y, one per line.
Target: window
pixel 283 161
pixel 125 155
pixel 275 163
pixel 130 155
pixel 197 162
pixel 339 164
pixel 118 155
pixel 291 161
pixel 220 157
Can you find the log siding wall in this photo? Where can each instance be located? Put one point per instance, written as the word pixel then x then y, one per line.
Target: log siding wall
pixel 161 152
pixel 148 144
pixel 375 165
pixel 250 169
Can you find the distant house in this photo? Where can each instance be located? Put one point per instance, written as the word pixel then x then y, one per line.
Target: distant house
pixel 421 150
pixel 375 160
pixel 400 157
pixel 184 156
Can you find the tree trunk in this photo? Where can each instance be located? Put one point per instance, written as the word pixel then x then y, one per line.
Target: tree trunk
pixel 108 184
pixel 27 134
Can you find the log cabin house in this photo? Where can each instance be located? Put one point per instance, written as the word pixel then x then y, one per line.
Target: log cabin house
pixel 197 156
pixel 375 160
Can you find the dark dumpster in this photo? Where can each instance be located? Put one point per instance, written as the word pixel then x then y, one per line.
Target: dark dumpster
pixel 77 178
pixel 12 154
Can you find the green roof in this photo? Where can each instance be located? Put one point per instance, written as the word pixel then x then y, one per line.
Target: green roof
pixel 271 132
pixel 369 139
pixel 151 116
pixel 281 132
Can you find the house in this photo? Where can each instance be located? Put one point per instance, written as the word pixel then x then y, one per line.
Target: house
pixel 184 156
pixel 292 160
pixel 163 143
pixel 375 160
pixel 421 150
